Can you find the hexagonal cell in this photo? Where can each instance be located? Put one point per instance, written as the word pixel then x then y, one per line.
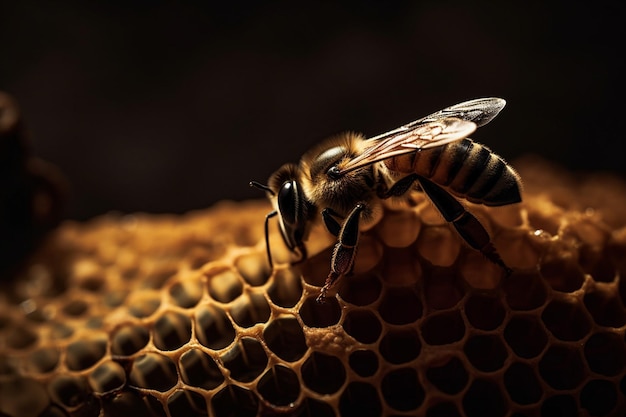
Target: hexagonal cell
pixel 171 331
pixel 605 308
pixel 213 328
pixel 185 403
pixel 279 386
pixel 443 328
pixel 186 293
pixel 58 331
pixel 114 298
pixel 107 378
pixel 43 360
pixel 92 283
pixel 143 304
pixel 449 377
pixel 439 245
pixel 20 337
pixel 82 354
pixel 526 335
pixel 605 353
pixel 199 370
pixel 246 360
pixel 129 339
pixel 443 288
pixel 484 312
pixel 399 228
pixel 159 276
pixel 285 338
pixel 562 273
pixel 250 309
pixel 559 405
pixel 400 345
pixel 153 371
pixel 363 325
pixel 400 305
pixel 286 288
pixel 562 367
pixel 69 391
pixel 315 270
pixel 254 268
pixel 524 290
pixel 225 285
pixel 522 384
pixel 364 362
pixel 599 397
pixel 566 319
pixel 75 308
pixel 315 314
pixel 360 399
pixel 401 389
pixel 233 400
pixel 474 403
pixel 323 373
pixel 486 352
pixel 361 289
pixel 199 256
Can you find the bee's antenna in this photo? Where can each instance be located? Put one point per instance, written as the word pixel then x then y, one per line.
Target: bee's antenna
pixel 261 187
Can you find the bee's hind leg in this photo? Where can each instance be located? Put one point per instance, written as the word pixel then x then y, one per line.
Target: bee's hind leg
pixel 342 261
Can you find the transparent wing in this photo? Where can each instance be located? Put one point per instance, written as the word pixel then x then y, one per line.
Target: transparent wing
pixel 424 135
pixel 480 111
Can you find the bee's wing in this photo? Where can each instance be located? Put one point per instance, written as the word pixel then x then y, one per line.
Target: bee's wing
pixel 480 111
pixel 420 136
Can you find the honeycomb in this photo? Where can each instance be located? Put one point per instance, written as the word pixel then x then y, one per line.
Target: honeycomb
pixel 148 315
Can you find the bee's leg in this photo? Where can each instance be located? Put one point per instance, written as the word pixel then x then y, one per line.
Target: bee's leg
pixel 267 236
pixel 463 221
pixel 399 188
pixel 344 252
pixel 332 225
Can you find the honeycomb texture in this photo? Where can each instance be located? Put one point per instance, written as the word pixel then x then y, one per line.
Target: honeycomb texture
pixel 181 316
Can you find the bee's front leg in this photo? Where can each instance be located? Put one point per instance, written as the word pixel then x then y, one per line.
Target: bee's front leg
pixel 344 252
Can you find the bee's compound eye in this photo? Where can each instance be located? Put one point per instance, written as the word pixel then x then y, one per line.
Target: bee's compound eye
pixel 288 201
pixel 333 172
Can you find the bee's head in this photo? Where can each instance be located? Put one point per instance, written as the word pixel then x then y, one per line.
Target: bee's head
pixel 322 179
pixel 290 204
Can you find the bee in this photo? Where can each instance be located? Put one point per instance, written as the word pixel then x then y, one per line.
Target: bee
pixel 345 178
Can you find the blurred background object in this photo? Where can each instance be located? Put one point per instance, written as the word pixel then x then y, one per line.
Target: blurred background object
pixel 32 191
pixel 163 107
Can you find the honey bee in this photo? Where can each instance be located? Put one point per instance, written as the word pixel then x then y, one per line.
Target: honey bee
pixel 348 176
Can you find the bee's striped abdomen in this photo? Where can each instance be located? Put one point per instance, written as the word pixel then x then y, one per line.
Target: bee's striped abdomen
pixel 467 169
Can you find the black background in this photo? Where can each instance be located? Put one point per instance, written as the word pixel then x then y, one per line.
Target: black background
pixel 167 107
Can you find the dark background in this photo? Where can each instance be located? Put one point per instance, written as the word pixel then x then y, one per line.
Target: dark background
pixel 167 107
